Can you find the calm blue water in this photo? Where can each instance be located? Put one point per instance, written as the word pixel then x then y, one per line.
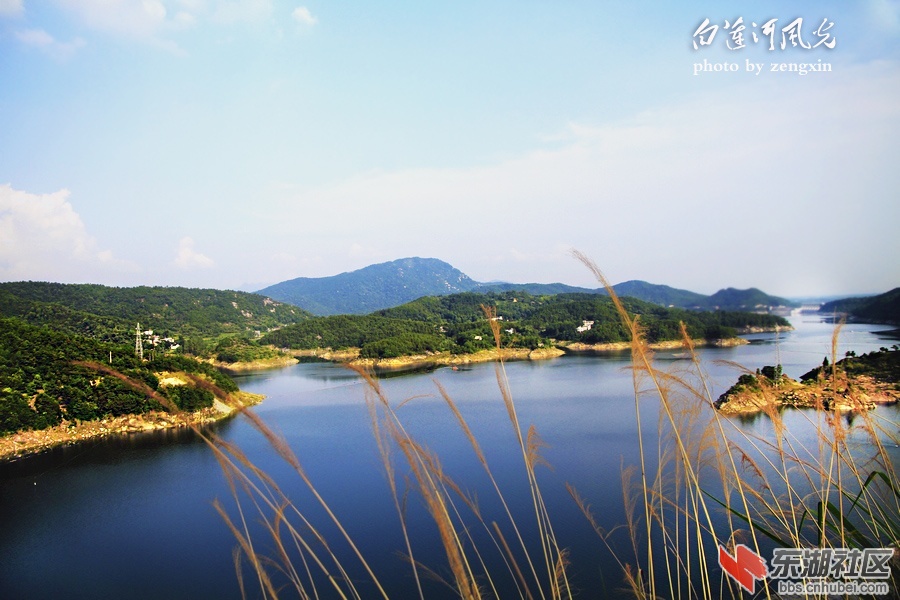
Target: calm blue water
pixel 133 517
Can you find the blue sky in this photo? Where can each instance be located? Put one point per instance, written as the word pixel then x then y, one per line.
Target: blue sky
pixel 238 143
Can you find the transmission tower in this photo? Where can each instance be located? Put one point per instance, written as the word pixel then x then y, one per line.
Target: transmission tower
pixel 777 349
pixel 138 343
pixel 778 368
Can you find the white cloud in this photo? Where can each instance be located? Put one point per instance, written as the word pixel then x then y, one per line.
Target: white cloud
pixel 183 20
pixel 156 21
pixel 43 238
pixel 188 258
pixel 302 15
pixel 136 18
pixel 35 37
pixel 235 11
pixel 748 181
pixel 11 8
pixel 40 39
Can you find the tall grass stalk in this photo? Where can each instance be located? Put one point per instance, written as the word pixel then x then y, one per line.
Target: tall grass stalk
pixel 442 498
pixel 784 491
pixel 703 482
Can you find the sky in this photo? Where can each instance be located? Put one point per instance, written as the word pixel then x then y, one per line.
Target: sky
pixel 239 143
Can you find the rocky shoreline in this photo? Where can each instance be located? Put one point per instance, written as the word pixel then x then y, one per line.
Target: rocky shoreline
pixel 446 359
pixel 776 329
pixel 261 364
pixel 858 393
pixel 350 356
pixel 438 359
pixel 25 443
pixel 854 383
pixel 667 345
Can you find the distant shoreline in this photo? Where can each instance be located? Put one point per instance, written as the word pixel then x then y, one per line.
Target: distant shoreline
pixel 578 347
pixel 351 355
pixel 259 364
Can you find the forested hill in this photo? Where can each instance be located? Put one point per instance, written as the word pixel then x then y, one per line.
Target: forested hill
pixel 40 384
pixel 559 316
pixel 373 287
pixel 106 312
pixel 457 323
pixel 883 308
pixel 749 299
pixel 46 329
pixel 663 295
pixel 726 299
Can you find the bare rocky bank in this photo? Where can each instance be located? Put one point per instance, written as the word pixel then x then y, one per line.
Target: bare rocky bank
pixel 351 355
pixel 856 393
pixel 24 443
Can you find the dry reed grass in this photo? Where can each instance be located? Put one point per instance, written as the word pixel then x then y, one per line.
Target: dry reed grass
pixel 701 482
pixel 777 488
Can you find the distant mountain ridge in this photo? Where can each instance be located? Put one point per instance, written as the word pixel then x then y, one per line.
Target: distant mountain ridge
pixel 750 299
pixel 642 290
pixel 882 308
pixel 391 284
pixel 372 288
pixel 659 294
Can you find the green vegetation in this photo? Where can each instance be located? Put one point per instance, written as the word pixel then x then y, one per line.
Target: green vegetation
pixel 40 386
pixel 232 349
pixel 404 345
pixel 766 378
pixel 175 362
pixel 884 308
pixel 344 331
pixel 45 327
pixel 535 289
pixel 63 318
pixel 657 294
pixel 190 398
pixel 196 322
pixel 111 312
pixel 852 384
pixel 456 323
pixel 663 295
pixel 749 299
pixel 883 365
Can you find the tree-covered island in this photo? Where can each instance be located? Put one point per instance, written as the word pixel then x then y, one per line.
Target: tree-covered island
pixel 851 384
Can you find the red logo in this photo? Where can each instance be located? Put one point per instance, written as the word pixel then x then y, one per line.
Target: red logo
pixel 745 567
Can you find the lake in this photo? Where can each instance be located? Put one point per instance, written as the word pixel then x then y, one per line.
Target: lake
pixel 132 517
